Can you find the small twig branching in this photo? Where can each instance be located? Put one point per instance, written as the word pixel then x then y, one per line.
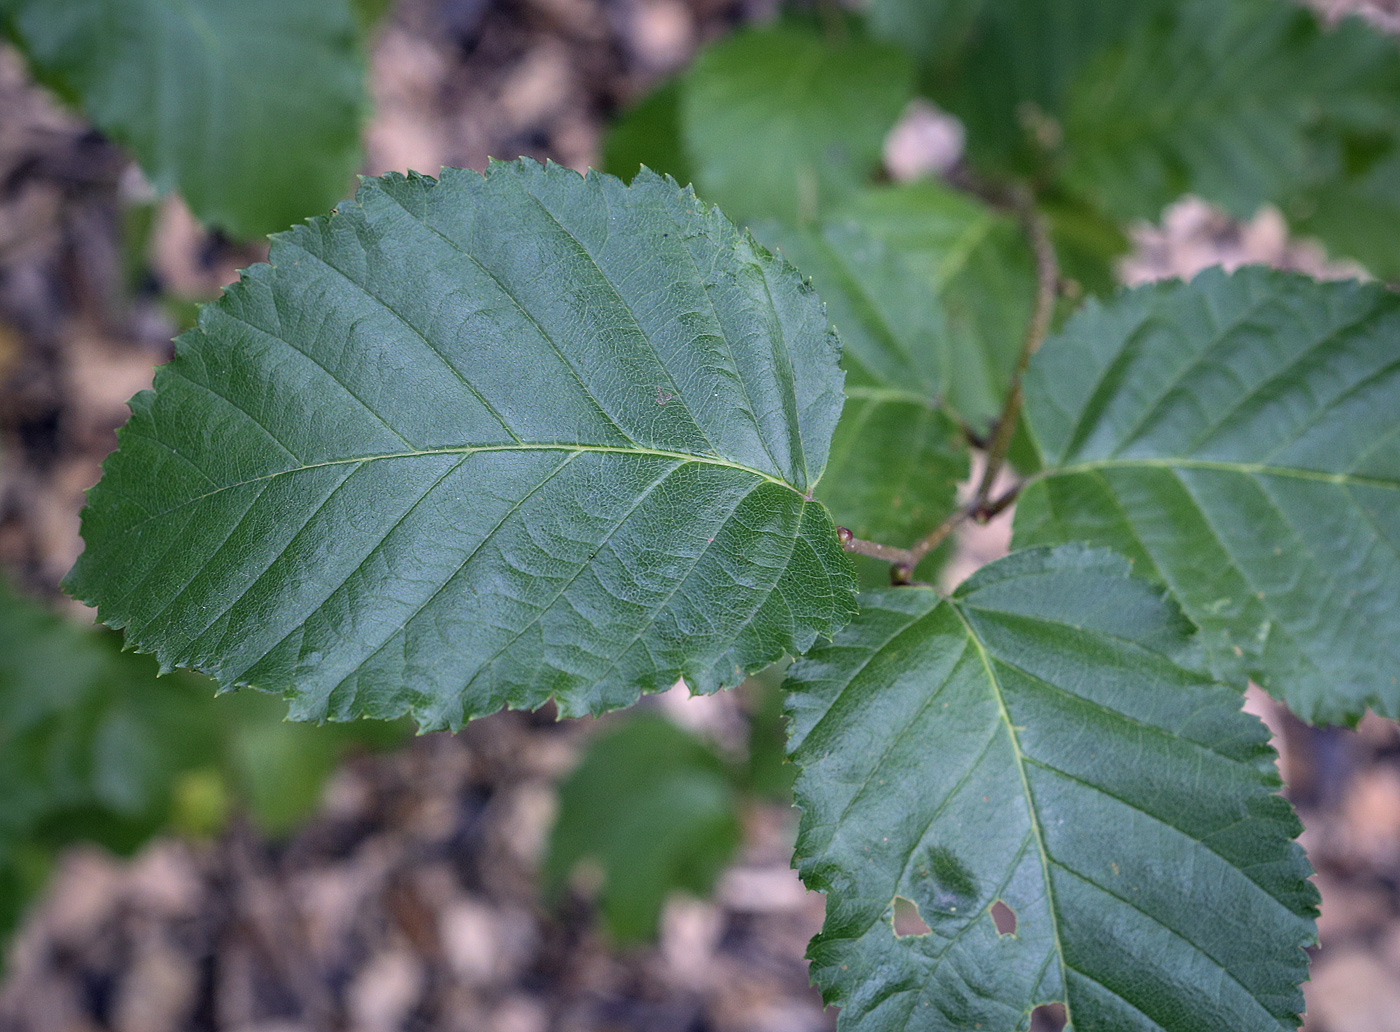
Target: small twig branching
pixel 1047 268
pixel 983 506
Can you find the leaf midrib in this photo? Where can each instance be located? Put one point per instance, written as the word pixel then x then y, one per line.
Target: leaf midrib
pixel 1005 715
pixel 464 450
pixel 1222 466
pixel 1046 861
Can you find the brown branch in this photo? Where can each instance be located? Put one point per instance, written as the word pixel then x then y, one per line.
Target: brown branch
pixel 1047 269
pixel 910 557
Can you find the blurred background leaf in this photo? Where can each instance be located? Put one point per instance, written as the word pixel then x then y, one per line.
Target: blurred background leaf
pixel 651 809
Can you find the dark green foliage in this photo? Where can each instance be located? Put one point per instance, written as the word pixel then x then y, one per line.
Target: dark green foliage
pixel 494 440
pixel 1130 105
pixel 562 442
pixel 251 109
pixel 1239 438
pixel 784 123
pixel 649 135
pixel 653 808
pixel 94 747
pixel 775 123
pixel 1036 740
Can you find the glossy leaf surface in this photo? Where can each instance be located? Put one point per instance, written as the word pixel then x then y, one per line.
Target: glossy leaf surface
pixel 1034 741
pixel 251 109
pixel 478 443
pixel 1237 437
pixel 783 122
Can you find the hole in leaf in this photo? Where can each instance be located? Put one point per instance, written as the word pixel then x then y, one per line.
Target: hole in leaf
pixel 1048 1017
pixel 1004 918
pixel 907 921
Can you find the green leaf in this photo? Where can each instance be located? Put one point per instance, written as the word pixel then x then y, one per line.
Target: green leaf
pixel 1034 741
pixel 1237 437
pixel 649 135
pixel 897 457
pixel 369 13
pixel 934 31
pixel 953 280
pixel 90 742
pixel 1240 103
pixel 249 108
pixel 478 443
pixel 86 726
pixel 653 807
pixel 1358 215
pixel 783 123
pixel 95 748
pixel 1008 72
pixel 1130 105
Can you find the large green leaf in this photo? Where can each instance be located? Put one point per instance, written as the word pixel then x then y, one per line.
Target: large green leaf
pixel 1034 742
pixel 654 808
pixel 250 108
pixel 782 122
pixel 479 442
pixel 1238 437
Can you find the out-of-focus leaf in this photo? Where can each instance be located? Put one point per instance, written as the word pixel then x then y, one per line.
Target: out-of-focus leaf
pixel 933 31
pixel 649 134
pixel 1240 102
pixel 251 109
pixel 784 122
pixel 94 747
pixel 1357 214
pixel 653 808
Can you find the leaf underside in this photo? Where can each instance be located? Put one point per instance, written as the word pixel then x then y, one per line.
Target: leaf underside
pixel 251 109
pixel 479 442
pixel 1034 741
pixel 1237 437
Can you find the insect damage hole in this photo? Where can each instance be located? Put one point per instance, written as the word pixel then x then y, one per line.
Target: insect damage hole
pixel 907 921
pixel 1049 1017
pixel 1004 918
